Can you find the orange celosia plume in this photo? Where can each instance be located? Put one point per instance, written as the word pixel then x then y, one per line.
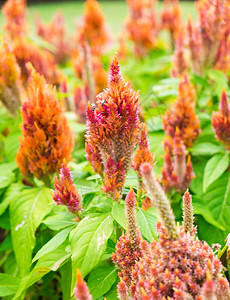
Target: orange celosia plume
pixel 55 34
pixel 221 121
pixel 93 27
pixel 15 14
pixel 182 114
pixel 112 131
pixel 47 138
pixel 9 79
pixel 43 61
pixel 141 27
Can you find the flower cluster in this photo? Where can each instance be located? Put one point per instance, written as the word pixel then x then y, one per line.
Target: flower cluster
pixel 221 121
pixel 207 40
pixel 15 14
pixel 171 18
pixel 177 266
pixel 55 34
pixel 93 28
pixel 43 61
pixel 81 291
pixel 176 172
pixel 178 59
pixel 65 192
pixel 113 128
pixel 129 248
pixel 141 27
pixel 9 79
pixel 182 114
pixel 47 136
pixel 142 155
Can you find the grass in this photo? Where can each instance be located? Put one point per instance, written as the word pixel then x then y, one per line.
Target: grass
pixel 115 13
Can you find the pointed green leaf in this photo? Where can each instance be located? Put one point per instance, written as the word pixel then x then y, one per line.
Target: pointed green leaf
pixel 118 213
pixel 214 168
pixel 88 242
pixel 55 242
pixel 147 222
pixel 26 213
pixel 101 280
pixel 8 285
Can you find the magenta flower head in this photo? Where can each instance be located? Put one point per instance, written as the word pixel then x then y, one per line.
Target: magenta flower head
pixel 81 291
pixel 65 192
pixel 113 127
pixel 221 121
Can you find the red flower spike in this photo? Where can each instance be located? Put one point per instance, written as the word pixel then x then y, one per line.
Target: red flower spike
pixel 142 155
pixel 15 14
pixel 209 288
pixel 113 128
pixel 81 291
pixel 9 80
pixel 47 138
pixel 65 192
pixel 221 121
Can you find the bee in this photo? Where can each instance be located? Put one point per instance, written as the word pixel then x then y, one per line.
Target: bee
pixel 93 106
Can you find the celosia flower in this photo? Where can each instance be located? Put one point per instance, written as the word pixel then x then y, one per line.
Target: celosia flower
pixel 15 14
pixel 112 130
pixel 93 27
pixel 81 99
pixel 159 199
pixel 81 291
pixel 89 69
pixel 141 27
pixel 194 47
pixel 181 114
pixel 187 212
pixel 128 248
pixel 47 136
pixel 177 266
pixel 176 172
pixel 9 79
pixel 221 121
pixel 142 155
pixel 43 61
pixel 178 59
pixel 171 18
pixel 65 192
pixel 55 34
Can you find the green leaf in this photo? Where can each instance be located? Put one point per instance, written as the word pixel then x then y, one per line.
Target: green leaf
pixel 206 149
pixel 147 223
pixel 112 293
pixel 88 242
pixel 66 278
pixel 8 285
pixel 50 262
pixel 217 199
pixel 55 242
pixel 9 196
pixel 220 78
pixel 59 220
pixel 26 213
pixel 201 208
pixel 118 213
pixel 214 168
pixel 101 280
